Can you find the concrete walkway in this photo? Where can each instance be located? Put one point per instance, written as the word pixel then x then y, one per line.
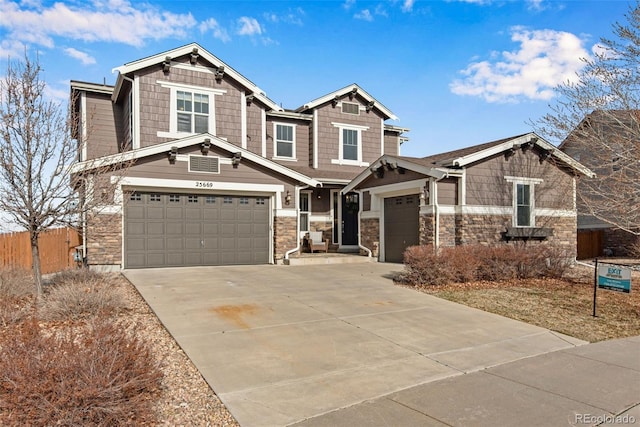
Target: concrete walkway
pixel 341 345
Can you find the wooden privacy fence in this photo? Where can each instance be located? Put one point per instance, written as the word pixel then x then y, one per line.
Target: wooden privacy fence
pixel 57 247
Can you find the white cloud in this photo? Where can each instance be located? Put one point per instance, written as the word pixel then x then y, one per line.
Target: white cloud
pixel 407 5
pixel 81 56
pixel 348 4
pixel 111 20
pixel 365 15
pixel 211 25
pixel 544 59
pixel 249 26
pixel 293 16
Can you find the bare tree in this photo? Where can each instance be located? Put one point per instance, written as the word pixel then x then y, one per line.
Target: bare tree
pixel 597 120
pixel 37 148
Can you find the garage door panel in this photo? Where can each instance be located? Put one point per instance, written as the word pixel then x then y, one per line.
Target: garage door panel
pixel 174 228
pixel 174 243
pixel 155 212
pixel 401 225
pixel 136 244
pixel 155 244
pixel 192 243
pixel 183 229
pixel 191 228
pixel 155 228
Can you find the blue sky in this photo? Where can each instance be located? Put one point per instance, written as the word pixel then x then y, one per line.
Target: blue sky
pixel 457 73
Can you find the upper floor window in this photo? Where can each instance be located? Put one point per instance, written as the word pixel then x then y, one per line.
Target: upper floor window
pixel 285 141
pixel 192 112
pixel 350 145
pixel 192 109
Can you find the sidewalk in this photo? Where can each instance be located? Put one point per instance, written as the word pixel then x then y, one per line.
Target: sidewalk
pixel 594 384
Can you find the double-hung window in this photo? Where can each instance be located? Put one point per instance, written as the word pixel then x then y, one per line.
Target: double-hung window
pixel 350 144
pixel 523 200
pixel 193 112
pixel 191 109
pixel 285 141
pixel 523 205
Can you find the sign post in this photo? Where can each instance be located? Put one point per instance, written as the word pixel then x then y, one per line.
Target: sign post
pixel 612 277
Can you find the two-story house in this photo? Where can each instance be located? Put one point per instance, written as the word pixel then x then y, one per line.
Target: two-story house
pixel 218 173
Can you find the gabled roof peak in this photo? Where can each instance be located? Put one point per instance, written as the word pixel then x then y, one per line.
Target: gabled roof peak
pixel 196 51
pixel 350 90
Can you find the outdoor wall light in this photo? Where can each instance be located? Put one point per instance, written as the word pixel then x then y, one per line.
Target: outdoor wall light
pixel 287 198
pixel 173 154
pixel 206 145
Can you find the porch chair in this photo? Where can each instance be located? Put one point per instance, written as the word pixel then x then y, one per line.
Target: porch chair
pixel 316 243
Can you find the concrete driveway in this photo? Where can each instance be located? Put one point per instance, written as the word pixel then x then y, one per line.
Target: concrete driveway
pixel 282 344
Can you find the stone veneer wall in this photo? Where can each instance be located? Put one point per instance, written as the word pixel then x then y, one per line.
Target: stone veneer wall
pixel 487 230
pixel 427 227
pixel 621 242
pixel 284 236
pixel 370 235
pixel 104 241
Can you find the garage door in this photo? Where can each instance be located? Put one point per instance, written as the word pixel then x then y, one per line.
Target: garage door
pixel 172 230
pixel 401 226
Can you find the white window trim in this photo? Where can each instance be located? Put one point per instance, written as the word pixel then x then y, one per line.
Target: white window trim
pixel 340 160
pixel 275 141
pixel 531 182
pixel 173 111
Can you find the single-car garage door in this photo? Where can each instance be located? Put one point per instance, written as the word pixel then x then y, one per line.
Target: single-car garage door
pixel 401 225
pixel 172 230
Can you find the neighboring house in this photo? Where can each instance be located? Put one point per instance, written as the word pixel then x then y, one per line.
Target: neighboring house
pixel 515 189
pixel 601 142
pixel 220 174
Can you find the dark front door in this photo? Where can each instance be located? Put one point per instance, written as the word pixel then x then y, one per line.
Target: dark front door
pixel 350 207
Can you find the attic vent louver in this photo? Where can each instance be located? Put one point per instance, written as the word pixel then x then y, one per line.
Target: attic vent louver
pixel 204 164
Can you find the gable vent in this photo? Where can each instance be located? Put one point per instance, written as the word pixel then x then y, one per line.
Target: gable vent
pixel 350 108
pixel 204 164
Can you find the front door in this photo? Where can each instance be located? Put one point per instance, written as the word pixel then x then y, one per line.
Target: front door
pixel 350 208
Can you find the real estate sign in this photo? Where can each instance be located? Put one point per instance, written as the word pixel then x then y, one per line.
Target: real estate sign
pixel 614 278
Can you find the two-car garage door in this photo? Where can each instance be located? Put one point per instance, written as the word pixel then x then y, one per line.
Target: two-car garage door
pixel 172 230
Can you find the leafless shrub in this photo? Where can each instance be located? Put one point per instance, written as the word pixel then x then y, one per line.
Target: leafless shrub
pixel 475 262
pixel 74 294
pixel 15 282
pixel 96 375
pixel 16 286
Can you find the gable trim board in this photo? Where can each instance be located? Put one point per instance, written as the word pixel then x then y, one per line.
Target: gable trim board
pixel 165 147
pixel 185 50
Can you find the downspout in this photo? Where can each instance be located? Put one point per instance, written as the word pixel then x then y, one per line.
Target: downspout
pixel 360 210
pixel 297 201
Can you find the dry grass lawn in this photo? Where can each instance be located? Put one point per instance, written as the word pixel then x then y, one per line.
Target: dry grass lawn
pixel 564 306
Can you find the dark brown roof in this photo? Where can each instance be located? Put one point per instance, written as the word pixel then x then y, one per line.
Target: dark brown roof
pixel 445 159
